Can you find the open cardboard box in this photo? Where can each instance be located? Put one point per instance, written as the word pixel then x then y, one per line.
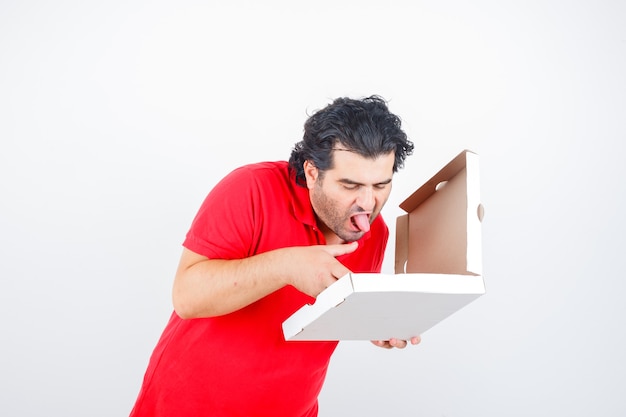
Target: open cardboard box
pixel 438 268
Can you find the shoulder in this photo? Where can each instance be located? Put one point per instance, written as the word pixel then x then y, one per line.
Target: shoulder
pixel 262 187
pixel 254 177
pixel 265 170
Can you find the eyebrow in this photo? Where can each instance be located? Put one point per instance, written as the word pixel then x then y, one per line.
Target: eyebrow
pixel 352 182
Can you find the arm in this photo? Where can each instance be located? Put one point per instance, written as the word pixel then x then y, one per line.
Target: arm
pixel 211 287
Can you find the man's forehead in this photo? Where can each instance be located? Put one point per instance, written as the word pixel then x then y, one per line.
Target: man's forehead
pixel 350 164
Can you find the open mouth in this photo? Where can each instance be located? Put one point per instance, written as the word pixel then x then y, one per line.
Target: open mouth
pixel 361 222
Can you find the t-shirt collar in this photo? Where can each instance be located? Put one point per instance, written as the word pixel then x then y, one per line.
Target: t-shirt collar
pixel 302 208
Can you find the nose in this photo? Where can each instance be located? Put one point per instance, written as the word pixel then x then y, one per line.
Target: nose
pixel 366 199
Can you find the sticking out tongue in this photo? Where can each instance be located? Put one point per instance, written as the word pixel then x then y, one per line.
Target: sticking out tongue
pixel 362 221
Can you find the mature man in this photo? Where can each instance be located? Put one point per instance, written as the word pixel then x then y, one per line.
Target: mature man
pixel 267 240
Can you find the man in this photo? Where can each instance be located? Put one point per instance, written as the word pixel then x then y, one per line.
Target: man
pixel 267 240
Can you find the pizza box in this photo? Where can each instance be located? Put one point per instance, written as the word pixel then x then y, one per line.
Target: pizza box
pixel 438 268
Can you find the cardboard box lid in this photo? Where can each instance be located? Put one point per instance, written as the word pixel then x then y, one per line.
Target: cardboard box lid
pixel 441 232
pixel 438 267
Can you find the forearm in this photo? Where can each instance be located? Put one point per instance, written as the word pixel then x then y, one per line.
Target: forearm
pixel 213 287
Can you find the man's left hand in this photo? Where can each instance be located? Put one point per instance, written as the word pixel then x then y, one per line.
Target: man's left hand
pixel 396 343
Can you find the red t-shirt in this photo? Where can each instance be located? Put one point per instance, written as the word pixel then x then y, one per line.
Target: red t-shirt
pixel 239 364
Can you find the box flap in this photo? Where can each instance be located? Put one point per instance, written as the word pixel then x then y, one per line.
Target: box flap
pixel 441 232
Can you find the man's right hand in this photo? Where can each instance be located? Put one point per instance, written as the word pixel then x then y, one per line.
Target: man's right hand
pixel 315 268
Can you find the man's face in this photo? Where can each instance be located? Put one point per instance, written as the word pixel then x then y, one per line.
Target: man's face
pixel 348 197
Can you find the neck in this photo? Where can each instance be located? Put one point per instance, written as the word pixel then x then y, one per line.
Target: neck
pixel 329 236
pixel 333 239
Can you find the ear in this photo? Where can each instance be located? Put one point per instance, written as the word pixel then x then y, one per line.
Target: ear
pixel 311 173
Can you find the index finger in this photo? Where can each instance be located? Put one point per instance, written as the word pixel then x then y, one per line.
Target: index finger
pixel 341 249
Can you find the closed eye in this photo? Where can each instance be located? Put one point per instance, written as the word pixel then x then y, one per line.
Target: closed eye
pixel 351 185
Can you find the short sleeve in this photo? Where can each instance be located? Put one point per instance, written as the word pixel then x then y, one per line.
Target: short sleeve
pixel 224 227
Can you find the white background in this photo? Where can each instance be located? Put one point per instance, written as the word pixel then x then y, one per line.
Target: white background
pixel 116 119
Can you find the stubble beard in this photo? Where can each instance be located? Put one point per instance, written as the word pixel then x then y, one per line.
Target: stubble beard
pixel 331 219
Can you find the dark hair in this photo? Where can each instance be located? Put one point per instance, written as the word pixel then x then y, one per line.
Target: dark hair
pixel 364 126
